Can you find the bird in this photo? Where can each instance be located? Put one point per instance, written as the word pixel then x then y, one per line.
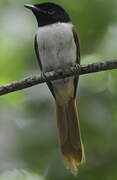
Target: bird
pixel 57 47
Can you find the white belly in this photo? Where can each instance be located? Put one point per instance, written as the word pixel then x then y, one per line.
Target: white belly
pixel 56 45
pixel 57 49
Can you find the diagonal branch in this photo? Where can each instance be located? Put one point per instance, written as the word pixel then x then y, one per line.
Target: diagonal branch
pixel 49 76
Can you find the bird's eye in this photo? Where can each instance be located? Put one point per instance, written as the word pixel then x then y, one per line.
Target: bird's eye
pixel 50 12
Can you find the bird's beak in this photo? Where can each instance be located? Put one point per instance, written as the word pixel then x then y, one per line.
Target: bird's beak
pixel 30 6
pixel 34 8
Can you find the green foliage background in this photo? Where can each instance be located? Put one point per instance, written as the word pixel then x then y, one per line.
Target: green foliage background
pixel 28 133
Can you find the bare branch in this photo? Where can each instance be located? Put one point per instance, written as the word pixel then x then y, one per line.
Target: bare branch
pixel 49 76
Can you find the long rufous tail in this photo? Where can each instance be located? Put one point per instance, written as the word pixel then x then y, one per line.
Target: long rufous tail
pixel 69 133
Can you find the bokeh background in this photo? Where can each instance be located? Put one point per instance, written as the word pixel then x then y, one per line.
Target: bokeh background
pixel 28 132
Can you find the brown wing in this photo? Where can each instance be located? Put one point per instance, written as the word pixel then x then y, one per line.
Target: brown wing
pixel 77 58
pixel 39 61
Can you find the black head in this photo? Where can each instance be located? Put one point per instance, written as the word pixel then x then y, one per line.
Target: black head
pixel 48 13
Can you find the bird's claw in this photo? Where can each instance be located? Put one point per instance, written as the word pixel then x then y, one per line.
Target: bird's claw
pixel 77 66
pixel 43 76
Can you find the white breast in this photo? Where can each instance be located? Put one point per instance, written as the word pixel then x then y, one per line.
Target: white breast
pixel 56 46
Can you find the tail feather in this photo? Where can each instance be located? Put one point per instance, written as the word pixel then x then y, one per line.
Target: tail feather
pixel 69 133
